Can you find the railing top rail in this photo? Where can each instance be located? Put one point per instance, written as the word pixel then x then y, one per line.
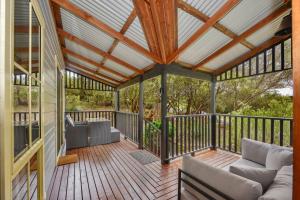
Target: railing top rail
pixel 259 117
pixel 89 111
pixel 190 115
pixel 127 113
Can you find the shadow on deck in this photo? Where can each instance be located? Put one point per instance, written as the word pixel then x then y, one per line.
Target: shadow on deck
pixel 110 172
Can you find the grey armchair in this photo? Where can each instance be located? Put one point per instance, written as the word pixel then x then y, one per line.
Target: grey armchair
pixel 76 134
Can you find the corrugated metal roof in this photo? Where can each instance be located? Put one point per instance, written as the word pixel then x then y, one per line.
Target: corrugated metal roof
pixel 112 12
pixel 136 33
pixel 85 31
pixel 117 67
pixel 81 62
pixel 90 66
pixel 267 32
pixel 103 78
pixel 247 13
pixel 131 56
pixel 207 7
pixel 187 26
pixel 83 51
pixel 227 56
pixel 21 12
pixel 204 46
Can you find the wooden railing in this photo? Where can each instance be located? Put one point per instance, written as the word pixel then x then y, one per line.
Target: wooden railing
pixel 24 116
pixel 127 123
pixel 79 116
pixel 230 129
pixel 151 137
pixel 188 134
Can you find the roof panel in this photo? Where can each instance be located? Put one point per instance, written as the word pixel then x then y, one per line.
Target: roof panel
pixel 103 78
pixel 187 26
pixel 113 13
pixel 83 51
pixel 92 67
pixel 136 33
pixel 131 56
pixel 247 13
pixel 85 31
pixel 81 62
pixel 227 56
pixel 207 7
pixel 267 32
pixel 204 46
pixel 117 67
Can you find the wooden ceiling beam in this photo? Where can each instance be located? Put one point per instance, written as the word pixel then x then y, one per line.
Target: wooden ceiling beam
pixel 81 72
pixel 204 28
pixel 125 27
pixel 244 35
pixel 164 15
pixel 144 14
pixel 248 55
pixel 91 71
pixel 201 16
pixel 66 4
pixel 102 67
pixel 25 29
pixel 97 50
pixel 57 20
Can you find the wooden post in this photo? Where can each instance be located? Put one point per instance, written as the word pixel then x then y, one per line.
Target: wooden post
pixel 117 105
pixel 141 113
pixel 213 112
pixel 296 98
pixel 164 101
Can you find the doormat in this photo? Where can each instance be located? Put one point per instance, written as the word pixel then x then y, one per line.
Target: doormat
pixel 144 157
pixel 67 159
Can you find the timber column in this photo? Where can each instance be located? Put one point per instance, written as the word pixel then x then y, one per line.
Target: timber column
pixel 141 113
pixel 164 100
pixel 213 112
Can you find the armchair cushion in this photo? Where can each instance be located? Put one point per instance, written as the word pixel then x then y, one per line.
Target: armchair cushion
pixel 282 186
pixel 261 175
pixel 221 180
pixel 278 157
pixel 255 151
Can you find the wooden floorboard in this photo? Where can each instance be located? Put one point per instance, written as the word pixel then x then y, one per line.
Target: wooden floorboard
pixel 110 172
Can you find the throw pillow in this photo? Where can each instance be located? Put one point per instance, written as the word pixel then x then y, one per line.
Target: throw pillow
pixel 278 157
pixel 261 175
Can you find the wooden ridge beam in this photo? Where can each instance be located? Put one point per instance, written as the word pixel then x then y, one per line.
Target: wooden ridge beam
pixel 91 71
pixel 248 55
pixel 144 14
pixel 164 14
pixel 201 16
pixel 97 50
pixel 66 4
pixel 102 67
pixel 125 27
pixel 244 35
pixel 203 29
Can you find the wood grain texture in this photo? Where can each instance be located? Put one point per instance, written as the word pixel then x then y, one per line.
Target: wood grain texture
pixel 110 172
pixel 296 98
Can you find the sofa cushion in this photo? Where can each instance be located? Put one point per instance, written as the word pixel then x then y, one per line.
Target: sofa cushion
pixel 261 175
pixel 255 151
pixel 244 162
pixel 221 180
pixel 278 157
pixel 282 186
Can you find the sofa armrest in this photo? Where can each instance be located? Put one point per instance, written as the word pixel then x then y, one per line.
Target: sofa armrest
pixel 217 182
pixel 77 136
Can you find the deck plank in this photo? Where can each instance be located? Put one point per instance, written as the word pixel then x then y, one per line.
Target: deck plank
pixel 110 172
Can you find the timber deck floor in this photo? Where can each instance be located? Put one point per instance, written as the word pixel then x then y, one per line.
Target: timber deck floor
pixel 110 172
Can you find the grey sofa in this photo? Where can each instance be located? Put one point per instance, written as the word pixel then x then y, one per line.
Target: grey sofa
pixel 244 179
pixel 76 134
pixel 83 134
